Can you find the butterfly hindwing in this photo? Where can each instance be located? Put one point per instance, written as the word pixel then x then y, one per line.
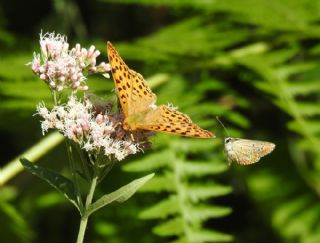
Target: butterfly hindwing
pixel 246 151
pixel 168 120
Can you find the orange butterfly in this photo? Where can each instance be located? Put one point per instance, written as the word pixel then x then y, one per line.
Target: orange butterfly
pixel 138 104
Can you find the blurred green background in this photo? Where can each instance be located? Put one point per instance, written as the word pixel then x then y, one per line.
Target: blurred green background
pixel 253 63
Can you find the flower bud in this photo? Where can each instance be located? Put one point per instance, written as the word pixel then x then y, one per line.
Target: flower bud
pixel 43 76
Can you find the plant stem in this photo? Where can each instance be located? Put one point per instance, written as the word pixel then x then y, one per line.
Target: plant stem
pixel 73 172
pixel 82 229
pixel 13 167
pixel 84 217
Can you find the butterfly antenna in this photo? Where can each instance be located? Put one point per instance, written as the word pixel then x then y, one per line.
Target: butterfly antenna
pixel 224 128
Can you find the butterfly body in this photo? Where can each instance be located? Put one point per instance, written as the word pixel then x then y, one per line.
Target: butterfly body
pixel 139 107
pixel 246 151
pixel 130 123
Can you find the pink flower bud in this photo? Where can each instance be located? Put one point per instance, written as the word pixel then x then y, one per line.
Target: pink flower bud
pixel 132 149
pixel 62 78
pixel 76 84
pixel 65 47
pixel 96 54
pixel 42 69
pixel 84 52
pixel 91 51
pixel 106 119
pixel 85 126
pixel 108 67
pixel 99 119
pixel 106 75
pixel 82 65
pixel 35 67
pixel 77 50
pixel 74 77
pixel 103 67
pixel 43 76
pixel 78 132
pixel 93 69
pixel 83 88
pixel 59 88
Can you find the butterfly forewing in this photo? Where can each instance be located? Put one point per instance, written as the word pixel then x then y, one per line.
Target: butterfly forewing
pixel 121 78
pixel 133 91
pixel 246 151
pixel 138 103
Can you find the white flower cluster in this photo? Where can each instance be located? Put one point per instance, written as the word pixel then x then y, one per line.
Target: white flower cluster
pixel 94 132
pixel 63 68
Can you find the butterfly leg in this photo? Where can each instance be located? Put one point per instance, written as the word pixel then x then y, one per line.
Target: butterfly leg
pixel 117 124
pixel 132 137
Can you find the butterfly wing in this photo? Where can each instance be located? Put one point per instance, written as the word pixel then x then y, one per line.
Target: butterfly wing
pixel 138 103
pixel 169 120
pixel 133 91
pixel 246 151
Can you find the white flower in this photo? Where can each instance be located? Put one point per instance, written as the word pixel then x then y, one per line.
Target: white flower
pixel 53 46
pixel 62 68
pixel 78 121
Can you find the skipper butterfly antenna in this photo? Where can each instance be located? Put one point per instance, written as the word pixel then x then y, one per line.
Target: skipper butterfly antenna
pixel 224 128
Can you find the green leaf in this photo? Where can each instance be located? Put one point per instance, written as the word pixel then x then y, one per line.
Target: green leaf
pixel 201 213
pixel 193 145
pixel 120 195
pixel 7 193
pixel 162 209
pixel 160 183
pixel 15 227
pixel 59 182
pixel 16 68
pixel 170 227
pixel 198 192
pixel 201 168
pixel 313 126
pixel 150 162
pixel 209 236
pixel 303 88
pixel 286 212
pixel 309 216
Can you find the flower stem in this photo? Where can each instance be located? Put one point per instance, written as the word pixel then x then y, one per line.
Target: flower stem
pixel 82 229
pixel 84 217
